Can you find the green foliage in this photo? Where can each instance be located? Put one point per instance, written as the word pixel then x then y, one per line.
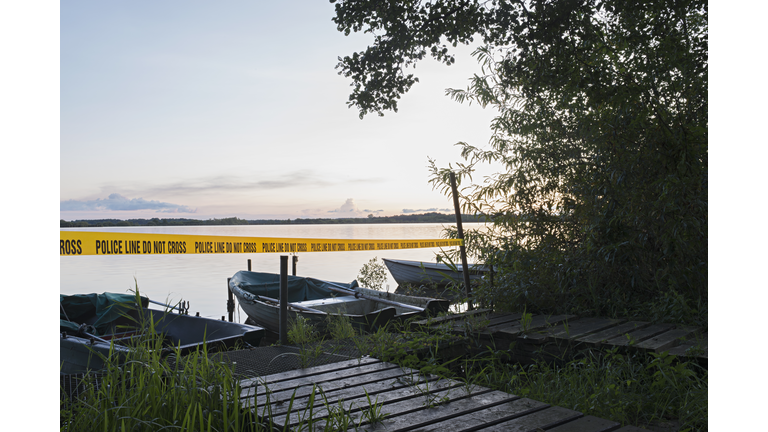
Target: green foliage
pixel 373 274
pixel 601 133
pixel 150 391
pixel 630 389
pixel 301 331
pixel 372 413
pixel 340 327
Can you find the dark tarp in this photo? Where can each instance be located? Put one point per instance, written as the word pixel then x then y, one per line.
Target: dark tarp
pixel 97 310
pixel 299 288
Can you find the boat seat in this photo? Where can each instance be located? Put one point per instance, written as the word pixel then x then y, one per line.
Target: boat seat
pixel 341 304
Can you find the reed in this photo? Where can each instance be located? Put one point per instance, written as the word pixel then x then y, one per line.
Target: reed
pixel 156 388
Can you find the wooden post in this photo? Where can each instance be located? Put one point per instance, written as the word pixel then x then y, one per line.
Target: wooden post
pixel 284 300
pixel 230 302
pixel 249 265
pixel 462 249
pixel 295 260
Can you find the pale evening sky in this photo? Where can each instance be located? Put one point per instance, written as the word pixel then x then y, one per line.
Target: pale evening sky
pixel 209 109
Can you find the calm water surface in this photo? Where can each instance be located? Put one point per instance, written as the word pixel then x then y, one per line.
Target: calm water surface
pixel 202 279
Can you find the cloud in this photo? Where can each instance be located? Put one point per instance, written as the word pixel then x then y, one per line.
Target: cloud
pixel 349 209
pixel 426 210
pixel 117 202
pixel 235 183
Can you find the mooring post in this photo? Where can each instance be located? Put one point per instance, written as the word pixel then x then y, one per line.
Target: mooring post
pixel 295 260
pixel 284 299
pixel 462 249
pixel 249 265
pixel 230 302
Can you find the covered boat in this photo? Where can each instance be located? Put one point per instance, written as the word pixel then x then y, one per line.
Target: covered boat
pixel 315 300
pixel 93 324
pixel 431 274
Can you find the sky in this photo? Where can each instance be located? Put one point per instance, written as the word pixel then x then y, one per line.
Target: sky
pixel 208 110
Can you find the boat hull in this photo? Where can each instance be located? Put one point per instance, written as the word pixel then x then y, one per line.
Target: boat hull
pixel 366 314
pixel 438 275
pixel 188 333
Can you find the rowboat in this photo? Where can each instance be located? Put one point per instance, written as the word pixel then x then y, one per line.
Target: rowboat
pixel 97 327
pixel 437 275
pixel 316 300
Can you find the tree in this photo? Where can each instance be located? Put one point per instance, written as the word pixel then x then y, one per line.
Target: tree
pixel 602 130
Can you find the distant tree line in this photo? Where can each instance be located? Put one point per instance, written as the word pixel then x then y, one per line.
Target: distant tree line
pixel 414 218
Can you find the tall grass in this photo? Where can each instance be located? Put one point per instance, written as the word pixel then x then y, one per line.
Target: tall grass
pixel 155 388
pixel 632 389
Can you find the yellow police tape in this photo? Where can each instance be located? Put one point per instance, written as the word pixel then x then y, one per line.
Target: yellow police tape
pixel 114 243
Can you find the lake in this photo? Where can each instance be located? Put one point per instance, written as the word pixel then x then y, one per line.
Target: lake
pixel 202 279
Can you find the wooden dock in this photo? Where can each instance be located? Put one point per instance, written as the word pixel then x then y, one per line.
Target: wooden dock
pixel 552 337
pixel 403 400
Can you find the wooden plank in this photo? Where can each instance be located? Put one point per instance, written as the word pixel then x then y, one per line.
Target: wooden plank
pixel 310 371
pixel 612 332
pixel 573 329
pixel 668 339
pixel 632 429
pixel 493 327
pixel 693 347
pixel 634 337
pixel 587 424
pixel 538 322
pixel 544 419
pixel 355 401
pixel 505 318
pixel 413 414
pixel 451 317
pixel 332 396
pixel 487 416
pixel 392 378
pixel 477 323
pixel 348 373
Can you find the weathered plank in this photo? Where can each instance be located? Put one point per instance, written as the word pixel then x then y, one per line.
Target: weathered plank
pixel 536 323
pixel 356 400
pixel 445 318
pixel 312 377
pixel 422 384
pixel 632 429
pixel 388 379
pixel 587 424
pixel 668 339
pixel 635 337
pixel 315 370
pixel 544 420
pixel 409 415
pixel 487 416
pixel 479 322
pixel 600 337
pixel 692 347
pixel 573 329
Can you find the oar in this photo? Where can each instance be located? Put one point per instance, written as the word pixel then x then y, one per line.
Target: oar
pixel 180 309
pixel 262 298
pixel 342 290
pixel 293 305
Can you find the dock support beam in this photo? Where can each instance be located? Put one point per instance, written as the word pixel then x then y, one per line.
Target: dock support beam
pixel 284 300
pixel 462 249
pixel 230 302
